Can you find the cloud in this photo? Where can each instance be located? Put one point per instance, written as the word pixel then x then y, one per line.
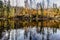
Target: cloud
pixel 18 2
pixel 21 2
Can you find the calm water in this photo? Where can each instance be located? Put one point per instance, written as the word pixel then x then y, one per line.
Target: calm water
pixel 29 30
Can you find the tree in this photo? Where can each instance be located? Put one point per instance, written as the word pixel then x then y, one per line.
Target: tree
pixel 1 8
pixel 8 8
pixel 1 4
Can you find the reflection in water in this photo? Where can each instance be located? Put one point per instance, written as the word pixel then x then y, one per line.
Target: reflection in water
pixel 32 34
pixel 20 30
pixel 20 23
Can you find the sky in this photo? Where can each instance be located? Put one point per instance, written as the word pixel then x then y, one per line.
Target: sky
pixel 21 2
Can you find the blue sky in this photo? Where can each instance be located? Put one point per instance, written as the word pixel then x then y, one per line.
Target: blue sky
pixel 21 2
